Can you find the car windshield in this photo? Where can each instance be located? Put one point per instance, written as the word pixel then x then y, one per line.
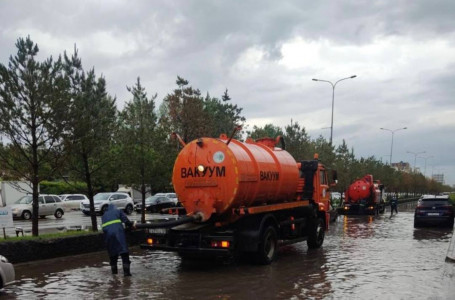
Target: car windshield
pixel 101 196
pixel 435 200
pixel 24 200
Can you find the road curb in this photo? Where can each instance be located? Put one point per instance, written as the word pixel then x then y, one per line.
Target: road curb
pixel 450 257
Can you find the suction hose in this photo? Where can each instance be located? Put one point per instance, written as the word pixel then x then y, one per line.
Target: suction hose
pixel 167 224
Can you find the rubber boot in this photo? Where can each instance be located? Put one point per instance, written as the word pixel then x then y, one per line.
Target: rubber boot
pixel 126 270
pixel 114 270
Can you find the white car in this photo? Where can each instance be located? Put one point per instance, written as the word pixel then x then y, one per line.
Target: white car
pixel 102 201
pixel 48 205
pixel 73 201
pixel 7 274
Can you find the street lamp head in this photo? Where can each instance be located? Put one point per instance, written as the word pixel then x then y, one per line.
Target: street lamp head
pixel 314 79
pixel 405 127
pixel 353 76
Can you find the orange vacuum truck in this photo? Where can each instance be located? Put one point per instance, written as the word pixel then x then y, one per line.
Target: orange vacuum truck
pixel 243 197
pixel 364 196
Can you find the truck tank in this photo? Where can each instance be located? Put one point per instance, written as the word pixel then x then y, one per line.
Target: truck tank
pixel 360 189
pixel 214 176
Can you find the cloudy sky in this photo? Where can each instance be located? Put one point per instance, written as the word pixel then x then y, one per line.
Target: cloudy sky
pixel 266 54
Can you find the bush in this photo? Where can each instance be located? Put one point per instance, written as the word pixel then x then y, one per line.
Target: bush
pixel 62 187
pixel 452 198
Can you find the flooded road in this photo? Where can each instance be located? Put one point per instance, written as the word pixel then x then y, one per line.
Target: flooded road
pixel 362 258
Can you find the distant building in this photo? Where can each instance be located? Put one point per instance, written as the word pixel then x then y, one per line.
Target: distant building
pixel 438 178
pixel 402 166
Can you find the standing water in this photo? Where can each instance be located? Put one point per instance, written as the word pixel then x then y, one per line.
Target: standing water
pixel 363 257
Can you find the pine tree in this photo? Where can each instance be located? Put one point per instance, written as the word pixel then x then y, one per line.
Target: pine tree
pixel 90 128
pixel 33 102
pixel 138 124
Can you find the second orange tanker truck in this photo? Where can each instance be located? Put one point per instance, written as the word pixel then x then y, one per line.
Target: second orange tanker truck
pixel 243 197
pixel 364 196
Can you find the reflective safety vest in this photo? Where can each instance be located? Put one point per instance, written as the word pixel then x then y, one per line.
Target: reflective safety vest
pixel 111 222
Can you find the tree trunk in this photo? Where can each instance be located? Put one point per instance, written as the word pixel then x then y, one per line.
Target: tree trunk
pixel 143 194
pixel 35 180
pixel 90 193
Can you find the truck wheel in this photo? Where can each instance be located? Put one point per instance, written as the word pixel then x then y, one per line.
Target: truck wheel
pixel 316 234
pixel 26 215
pixel 268 247
pixel 416 224
pixel 128 209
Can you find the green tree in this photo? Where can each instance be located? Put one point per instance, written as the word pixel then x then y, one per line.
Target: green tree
pixel 269 130
pixel 138 124
pixel 90 128
pixel 33 106
pixel 297 142
pixel 224 116
pixel 185 112
pixel 325 151
pixel 344 164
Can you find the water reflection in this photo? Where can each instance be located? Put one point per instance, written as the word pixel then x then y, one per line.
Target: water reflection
pixel 358 226
pixel 441 234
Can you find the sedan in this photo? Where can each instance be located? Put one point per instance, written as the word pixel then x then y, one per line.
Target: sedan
pixel 156 203
pixel 434 210
pixel 7 274
pixel 73 201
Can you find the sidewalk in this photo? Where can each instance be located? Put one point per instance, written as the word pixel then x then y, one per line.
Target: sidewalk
pixel 451 252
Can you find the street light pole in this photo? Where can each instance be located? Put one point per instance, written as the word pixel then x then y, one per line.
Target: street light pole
pixel 333 99
pixel 425 158
pixel 391 145
pixel 415 157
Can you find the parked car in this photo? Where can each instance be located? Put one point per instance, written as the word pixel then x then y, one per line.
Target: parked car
pixel 48 205
pixel 102 200
pixel 156 203
pixel 7 274
pixel 72 201
pixel 434 210
pixel 172 196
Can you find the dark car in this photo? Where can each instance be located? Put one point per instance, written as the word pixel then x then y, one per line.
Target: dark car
pixel 434 210
pixel 156 203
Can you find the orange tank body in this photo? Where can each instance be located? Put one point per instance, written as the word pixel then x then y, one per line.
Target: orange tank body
pixel 360 189
pixel 212 177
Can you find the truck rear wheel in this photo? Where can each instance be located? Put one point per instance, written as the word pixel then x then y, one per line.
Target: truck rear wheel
pixel 268 246
pixel 316 233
